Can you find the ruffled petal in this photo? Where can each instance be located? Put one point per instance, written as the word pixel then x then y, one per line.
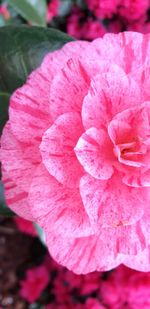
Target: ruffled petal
pixel 16 198
pixel 68 89
pixel 111 203
pixel 111 92
pixel 56 207
pixel 20 160
pixel 29 108
pixel 94 151
pixel 82 255
pixel 140 262
pixel 57 149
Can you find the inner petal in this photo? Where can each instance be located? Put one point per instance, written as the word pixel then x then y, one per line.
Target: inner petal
pixel 129 132
pixel 94 151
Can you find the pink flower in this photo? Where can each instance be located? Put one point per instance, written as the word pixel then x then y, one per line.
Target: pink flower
pixel 139 27
pixel 133 10
pixel 25 226
pixel 73 23
pixel 52 9
pixel 92 303
pixel 127 288
pixel 35 282
pixel 89 30
pixel 75 152
pixel 4 11
pixel 92 29
pixel 103 8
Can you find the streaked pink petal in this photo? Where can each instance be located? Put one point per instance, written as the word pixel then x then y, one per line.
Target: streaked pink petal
pixel 125 239
pixel 82 255
pixel 56 207
pixel 68 89
pixel 140 262
pixel 29 108
pixel 57 149
pixel 16 198
pixel 94 151
pixel 111 92
pixel 19 160
pixel 111 203
pixel 137 178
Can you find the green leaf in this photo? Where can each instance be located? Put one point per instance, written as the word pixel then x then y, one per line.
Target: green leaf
pixel 34 11
pixel 22 49
pixel 4 100
pixel 4 210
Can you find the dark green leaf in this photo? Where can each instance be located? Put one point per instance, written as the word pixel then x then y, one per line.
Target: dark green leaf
pixel 4 210
pixel 33 11
pixel 4 100
pixel 22 49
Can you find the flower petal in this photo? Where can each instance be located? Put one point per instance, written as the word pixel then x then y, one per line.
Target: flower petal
pixel 20 160
pixel 56 207
pixel 140 262
pixel 111 92
pixel 16 198
pixel 111 203
pixel 29 108
pixel 95 152
pixel 68 89
pixel 82 255
pixel 57 149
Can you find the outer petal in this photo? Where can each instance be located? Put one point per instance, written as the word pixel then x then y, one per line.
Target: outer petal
pixel 57 149
pixel 140 262
pixel 56 207
pixel 19 160
pixel 111 203
pixel 130 50
pixel 29 108
pixel 82 255
pixel 94 151
pixel 111 92
pixel 69 88
pixel 16 198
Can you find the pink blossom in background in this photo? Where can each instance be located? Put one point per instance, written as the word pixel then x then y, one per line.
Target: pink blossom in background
pixel 25 226
pixel 4 11
pixel 52 9
pixel 75 152
pixel 142 27
pixel 126 288
pixel 103 8
pixel 73 23
pixel 132 10
pixel 92 29
pixel 35 282
pixel 88 30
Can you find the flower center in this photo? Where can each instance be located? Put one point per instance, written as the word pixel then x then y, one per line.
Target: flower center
pixel 131 153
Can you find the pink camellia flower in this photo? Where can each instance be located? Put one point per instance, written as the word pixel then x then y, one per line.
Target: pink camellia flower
pixel 25 226
pixel 103 8
pixel 133 10
pixel 52 9
pixel 35 282
pixel 75 152
pixel 4 11
pixel 126 288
